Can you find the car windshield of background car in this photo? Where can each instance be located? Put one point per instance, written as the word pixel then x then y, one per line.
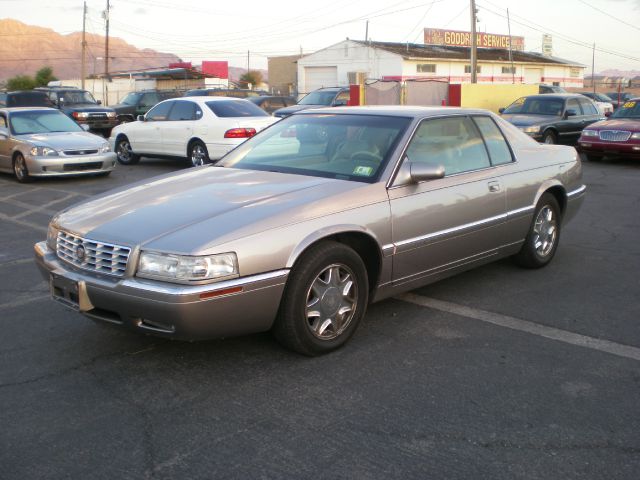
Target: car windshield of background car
pixel 24 123
pixel 236 108
pixel 78 97
pixel 318 98
pixel 131 99
pixel 344 147
pixel 629 109
pixel 536 106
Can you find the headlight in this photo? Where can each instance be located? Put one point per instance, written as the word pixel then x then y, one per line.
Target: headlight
pixel 105 148
pixel 589 133
pixel 111 114
pixel 80 115
pixel 182 268
pixel 635 136
pixel 52 237
pixel 43 152
pixel 532 129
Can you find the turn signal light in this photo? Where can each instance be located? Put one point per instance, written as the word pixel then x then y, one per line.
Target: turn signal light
pixel 240 133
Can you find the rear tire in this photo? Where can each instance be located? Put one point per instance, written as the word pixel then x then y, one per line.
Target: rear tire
pixel 198 154
pixel 325 299
pixel 124 153
pixel 20 169
pixel 541 242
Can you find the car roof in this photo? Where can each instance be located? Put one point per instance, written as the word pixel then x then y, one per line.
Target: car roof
pixel 204 98
pixel 28 109
pixel 560 96
pixel 395 111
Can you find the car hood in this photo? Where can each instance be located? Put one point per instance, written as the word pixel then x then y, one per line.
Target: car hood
pixel 520 120
pixel 64 140
pixel 86 107
pixel 186 212
pixel 617 124
pixel 296 108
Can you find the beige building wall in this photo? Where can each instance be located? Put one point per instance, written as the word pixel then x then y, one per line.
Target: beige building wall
pixel 283 74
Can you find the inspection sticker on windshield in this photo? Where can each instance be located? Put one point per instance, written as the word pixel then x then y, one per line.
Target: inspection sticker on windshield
pixel 629 105
pixel 365 171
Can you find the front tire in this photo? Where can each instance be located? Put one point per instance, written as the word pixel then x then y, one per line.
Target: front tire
pixel 198 154
pixel 20 169
pixel 124 153
pixel 549 138
pixel 541 242
pixel 325 299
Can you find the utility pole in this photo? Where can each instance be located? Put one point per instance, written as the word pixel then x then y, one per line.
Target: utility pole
pixel 366 32
pixel 106 41
pixel 593 67
pixel 513 70
pixel 248 61
pixel 83 67
pixel 474 44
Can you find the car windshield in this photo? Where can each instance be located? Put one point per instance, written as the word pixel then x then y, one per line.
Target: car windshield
pixel 318 98
pixel 236 108
pixel 536 106
pixel 630 109
pixel 75 97
pixel 344 147
pixel 601 97
pixel 24 123
pixel 131 99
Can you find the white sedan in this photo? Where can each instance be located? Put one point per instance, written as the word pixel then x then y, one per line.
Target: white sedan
pixel 198 128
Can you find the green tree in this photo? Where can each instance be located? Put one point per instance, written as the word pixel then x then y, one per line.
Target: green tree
pixel 253 77
pixel 21 82
pixel 44 76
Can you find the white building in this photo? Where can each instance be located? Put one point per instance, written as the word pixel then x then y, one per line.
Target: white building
pixel 349 61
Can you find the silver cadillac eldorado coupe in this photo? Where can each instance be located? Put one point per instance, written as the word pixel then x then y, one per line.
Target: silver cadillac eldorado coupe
pixel 299 228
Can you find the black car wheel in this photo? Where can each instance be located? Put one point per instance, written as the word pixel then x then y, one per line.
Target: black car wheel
pixel 124 153
pixel 549 137
pixel 325 298
pixel 198 154
pixel 20 169
pixel 541 242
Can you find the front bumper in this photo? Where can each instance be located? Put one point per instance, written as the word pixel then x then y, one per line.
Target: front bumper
pixel 598 148
pixel 186 312
pixel 70 165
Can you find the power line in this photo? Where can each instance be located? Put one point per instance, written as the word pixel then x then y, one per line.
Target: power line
pixel 609 15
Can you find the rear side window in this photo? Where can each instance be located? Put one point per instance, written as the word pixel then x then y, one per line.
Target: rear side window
pixel 236 108
pixel 183 110
pixel 493 138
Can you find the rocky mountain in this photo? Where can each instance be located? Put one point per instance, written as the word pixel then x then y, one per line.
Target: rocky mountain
pixel 620 73
pixel 25 49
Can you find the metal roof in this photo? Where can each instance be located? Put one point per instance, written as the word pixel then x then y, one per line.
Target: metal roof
pixel 418 50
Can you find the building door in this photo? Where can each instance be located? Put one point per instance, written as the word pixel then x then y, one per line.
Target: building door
pixel 532 75
pixel 318 77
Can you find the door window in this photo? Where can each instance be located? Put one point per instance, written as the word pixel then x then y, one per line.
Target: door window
pixel 183 110
pixel 160 112
pixel 452 142
pixel 3 122
pixel 149 100
pixel 588 108
pixel 572 104
pixel 342 99
pixel 494 140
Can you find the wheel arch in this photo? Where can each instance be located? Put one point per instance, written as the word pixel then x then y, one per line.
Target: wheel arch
pixel 552 129
pixel 192 140
pixel 558 191
pixel 361 240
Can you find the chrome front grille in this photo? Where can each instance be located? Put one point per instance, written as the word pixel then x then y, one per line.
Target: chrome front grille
pixel 81 152
pixel 614 135
pixel 91 255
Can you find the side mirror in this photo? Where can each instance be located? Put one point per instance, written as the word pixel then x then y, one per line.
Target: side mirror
pixel 99 102
pixel 607 114
pixel 501 110
pixel 339 103
pixel 85 127
pixel 60 101
pixel 570 113
pixel 140 118
pixel 419 172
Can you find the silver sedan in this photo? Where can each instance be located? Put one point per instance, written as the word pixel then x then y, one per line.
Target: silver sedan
pixel 43 142
pixel 298 229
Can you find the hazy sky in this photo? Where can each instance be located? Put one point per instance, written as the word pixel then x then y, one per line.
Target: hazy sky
pixel 199 30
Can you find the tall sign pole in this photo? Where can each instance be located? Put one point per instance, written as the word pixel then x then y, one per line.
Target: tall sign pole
pixel 474 44
pixel 83 67
pixel 513 70
pixel 593 67
pixel 106 42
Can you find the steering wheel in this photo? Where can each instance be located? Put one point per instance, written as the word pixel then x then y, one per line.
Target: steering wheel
pixel 365 155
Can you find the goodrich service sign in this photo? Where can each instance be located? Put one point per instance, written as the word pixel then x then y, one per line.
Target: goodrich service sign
pixel 456 38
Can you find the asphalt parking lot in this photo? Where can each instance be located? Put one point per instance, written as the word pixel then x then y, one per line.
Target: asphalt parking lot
pixel 498 373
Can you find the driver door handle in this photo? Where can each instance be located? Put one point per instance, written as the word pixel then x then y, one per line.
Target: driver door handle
pixel 494 186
